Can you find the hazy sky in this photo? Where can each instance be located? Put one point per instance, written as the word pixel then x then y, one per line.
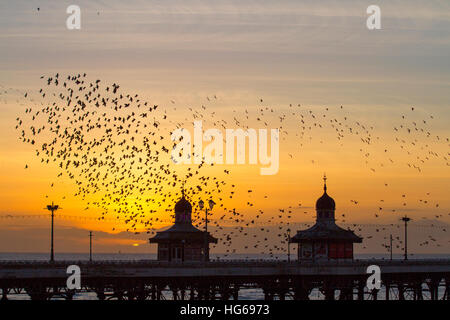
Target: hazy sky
pixel 319 54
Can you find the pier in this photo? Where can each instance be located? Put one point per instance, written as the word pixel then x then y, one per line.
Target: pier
pixel 222 280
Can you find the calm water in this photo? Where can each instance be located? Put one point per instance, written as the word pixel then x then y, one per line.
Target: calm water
pixel 244 294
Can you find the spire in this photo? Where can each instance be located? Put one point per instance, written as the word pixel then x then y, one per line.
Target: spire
pixel 325 205
pixel 182 190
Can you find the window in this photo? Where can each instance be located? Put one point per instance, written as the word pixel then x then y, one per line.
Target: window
pixel 341 250
pixel 176 253
pixel 333 250
pixel 348 250
pixel 162 254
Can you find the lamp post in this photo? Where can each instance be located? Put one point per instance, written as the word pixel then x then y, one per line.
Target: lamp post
pixel 201 205
pixel 406 220
pixel 390 245
pixel 90 246
pixel 52 208
pixel 289 244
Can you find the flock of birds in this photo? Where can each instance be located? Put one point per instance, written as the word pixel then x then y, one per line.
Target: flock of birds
pixel 115 147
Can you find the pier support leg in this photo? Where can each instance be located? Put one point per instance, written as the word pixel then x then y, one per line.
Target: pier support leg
pixel 207 293
pixel 447 290
pixel 361 290
pixel 387 287
pixel 158 293
pixel 4 293
pixel 268 294
pixel 374 294
pixel 131 295
pixel 434 285
pixel 174 294
pixel 225 292
pixel 236 292
pixel 328 291
pixel 153 292
pixel 141 293
pixel 418 291
pixel 100 294
pixel 302 289
pixel 301 293
pixel 38 293
pixel 329 294
pixel 346 294
pixel 401 291
pixel 38 296
pixel 69 295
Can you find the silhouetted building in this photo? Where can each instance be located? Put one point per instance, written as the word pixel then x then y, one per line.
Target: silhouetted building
pixel 182 241
pixel 325 240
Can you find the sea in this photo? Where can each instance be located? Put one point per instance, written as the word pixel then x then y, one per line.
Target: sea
pixel 244 294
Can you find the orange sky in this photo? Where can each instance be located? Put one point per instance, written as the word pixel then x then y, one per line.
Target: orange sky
pixel 320 57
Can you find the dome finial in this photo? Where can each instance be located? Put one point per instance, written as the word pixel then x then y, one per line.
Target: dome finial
pixel 182 189
pixel 325 202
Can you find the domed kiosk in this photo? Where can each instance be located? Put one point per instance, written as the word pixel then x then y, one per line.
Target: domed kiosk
pixel 182 241
pixel 325 240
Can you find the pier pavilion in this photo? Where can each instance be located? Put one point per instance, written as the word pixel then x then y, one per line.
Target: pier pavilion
pixel 182 241
pixel 325 240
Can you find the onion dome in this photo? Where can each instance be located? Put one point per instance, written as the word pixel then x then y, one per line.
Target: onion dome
pixel 183 206
pixel 183 211
pixel 325 202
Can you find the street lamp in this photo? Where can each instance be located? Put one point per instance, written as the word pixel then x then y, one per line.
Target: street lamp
pixel 211 204
pixel 406 220
pixel 52 208
pixel 289 244
pixel 201 205
pixel 90 246
pixel 390 245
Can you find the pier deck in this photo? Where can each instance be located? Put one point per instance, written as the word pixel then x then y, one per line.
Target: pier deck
pixel 148 279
